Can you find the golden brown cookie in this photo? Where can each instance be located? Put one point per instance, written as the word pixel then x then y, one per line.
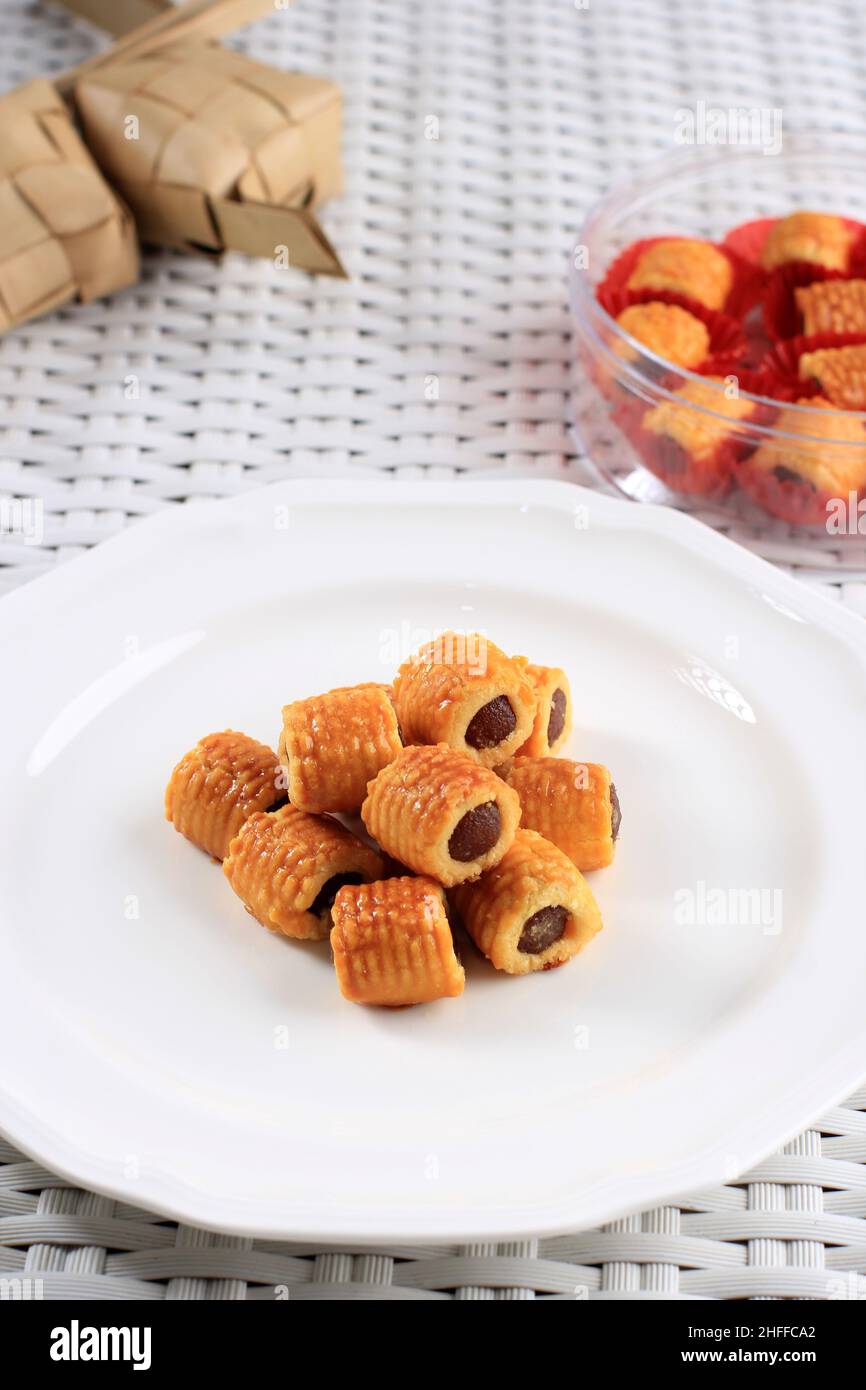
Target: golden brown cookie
pixel 461 689
pixel 832 306
pixel 287 866
pixel 333 744
pixel 696 432
pixel 573 805
pixel 840 372
pixel 533 911
pixel 392 943
pixel 552 723
pixel 440 813
pixel 830 459
pixel 680 265
pixel 218 784
pixel 667 330
pixel 818 237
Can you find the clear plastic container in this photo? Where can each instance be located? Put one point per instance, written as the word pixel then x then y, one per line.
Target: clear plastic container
pixel 704 192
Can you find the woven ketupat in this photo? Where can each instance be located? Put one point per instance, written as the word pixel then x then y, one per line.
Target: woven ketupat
pixel 63 233
pixel 216 152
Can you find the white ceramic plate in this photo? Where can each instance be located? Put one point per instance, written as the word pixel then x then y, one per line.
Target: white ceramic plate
pixel 160 1046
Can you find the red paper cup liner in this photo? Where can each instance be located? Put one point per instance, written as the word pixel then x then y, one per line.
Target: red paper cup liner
pixel 747 240
pixel 794 502
pixel 726 335
pixel 782 318
pixel 748 284
pixel 756 343
pixel 857 259
pixel 763 382
pixel 783 359
pixel 745 291
pixel 671 463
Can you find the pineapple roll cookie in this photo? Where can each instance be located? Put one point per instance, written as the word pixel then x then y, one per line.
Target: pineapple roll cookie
pixel 226 778
pixel 552 723
pixel 287 868
pixel 333 744
pixel 462 690
pixel 392 943
pixel 574 805
pixel 683 265
pixel 440 813
pixel 819 237
pixel 532 911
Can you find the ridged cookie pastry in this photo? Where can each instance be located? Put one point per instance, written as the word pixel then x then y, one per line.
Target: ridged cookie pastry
pixel 287 867
pixel 667 330
pixel 818 237
pixel 574 805
pixel 832 306
pixel 697 434
pixel 839 372
pixel 552 723
pixel 684 266
pixel 218 784
pixel 332 744
pixel 392 943
pixel 440 813
pixel 531 912
pixel 462 690
pixel 830 460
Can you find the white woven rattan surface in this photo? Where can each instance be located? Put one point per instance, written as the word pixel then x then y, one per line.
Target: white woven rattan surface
pixel 206 380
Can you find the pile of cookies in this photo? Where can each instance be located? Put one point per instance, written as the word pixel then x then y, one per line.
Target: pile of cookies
pixel 777 309
pixel 467 811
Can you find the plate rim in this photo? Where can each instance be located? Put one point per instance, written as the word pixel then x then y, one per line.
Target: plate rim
pixel 174 1199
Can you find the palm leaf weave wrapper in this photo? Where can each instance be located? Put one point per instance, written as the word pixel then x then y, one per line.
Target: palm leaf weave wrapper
pixel 63 233
pixel 216 152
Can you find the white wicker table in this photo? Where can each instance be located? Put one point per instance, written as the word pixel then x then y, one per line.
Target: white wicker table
pixel 244 374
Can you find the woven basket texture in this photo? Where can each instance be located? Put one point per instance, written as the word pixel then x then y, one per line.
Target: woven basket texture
pixel 476 138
